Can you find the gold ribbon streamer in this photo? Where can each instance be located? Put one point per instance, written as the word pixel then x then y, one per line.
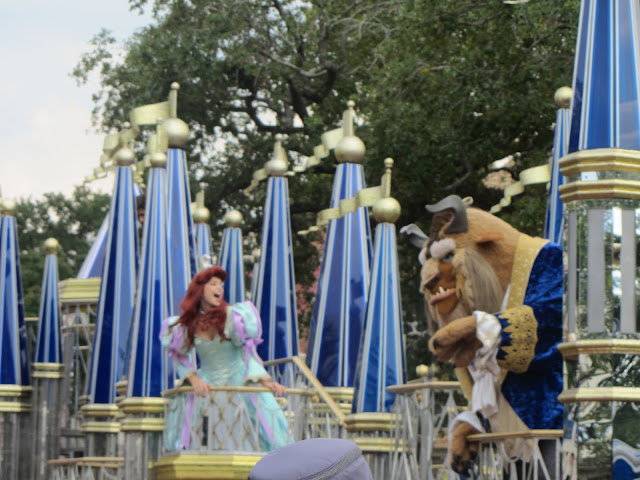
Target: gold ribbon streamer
pixel 144 115
pixel 366 197
pixel 279 155
pixel 149 114
pixel 530 176
pixel 329 140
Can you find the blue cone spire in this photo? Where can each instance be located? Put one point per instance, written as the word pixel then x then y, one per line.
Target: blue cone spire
pixel 180 237
pixel 48 341
pixel 606 82
pixel 14 360
pixel 231 258
pixel 381 362
pixel 201 215
pixel 94 261
pixel 554 219
pixel 117 292
pixel 275 286
pixel 338 313
pixel 148 370
pixel 203 245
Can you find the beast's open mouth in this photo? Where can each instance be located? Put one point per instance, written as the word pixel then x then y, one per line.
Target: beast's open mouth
pixel 442 295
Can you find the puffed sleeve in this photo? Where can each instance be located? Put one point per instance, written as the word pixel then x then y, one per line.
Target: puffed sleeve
pixel 244 328
pixel 174 340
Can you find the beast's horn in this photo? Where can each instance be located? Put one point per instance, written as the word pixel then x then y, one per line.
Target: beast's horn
pixel 459 223
pixel 416 236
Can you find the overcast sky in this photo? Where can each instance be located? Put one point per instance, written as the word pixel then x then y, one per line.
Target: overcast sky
pixel 45 119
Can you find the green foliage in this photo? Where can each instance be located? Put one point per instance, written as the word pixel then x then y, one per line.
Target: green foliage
pixel 444 88
pixel 72 221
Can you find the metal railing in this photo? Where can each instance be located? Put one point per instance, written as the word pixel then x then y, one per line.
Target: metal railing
pixel 77 337
pixel 234 419
pixel 327 418
pixel 532 454
pixel 87 468
pixel 426 410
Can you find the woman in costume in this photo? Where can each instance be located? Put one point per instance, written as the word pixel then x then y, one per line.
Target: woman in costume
pixel 225 338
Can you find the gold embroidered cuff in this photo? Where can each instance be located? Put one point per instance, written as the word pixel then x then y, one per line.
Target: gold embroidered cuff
pixel 521 327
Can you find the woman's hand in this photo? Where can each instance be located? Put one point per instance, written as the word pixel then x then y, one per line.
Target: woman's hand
pixel 277 389
pixel 200 387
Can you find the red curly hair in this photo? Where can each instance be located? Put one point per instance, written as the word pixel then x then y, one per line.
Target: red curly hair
pixel 191 305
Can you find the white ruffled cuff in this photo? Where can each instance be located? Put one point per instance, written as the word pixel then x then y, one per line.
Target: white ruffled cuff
pixel 484 369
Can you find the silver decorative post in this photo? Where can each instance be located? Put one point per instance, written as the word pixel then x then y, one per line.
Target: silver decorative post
pixel 602 196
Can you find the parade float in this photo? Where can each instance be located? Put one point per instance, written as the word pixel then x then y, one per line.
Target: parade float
pixel 88 395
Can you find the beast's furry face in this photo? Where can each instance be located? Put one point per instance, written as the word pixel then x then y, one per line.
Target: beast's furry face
pixel 456 281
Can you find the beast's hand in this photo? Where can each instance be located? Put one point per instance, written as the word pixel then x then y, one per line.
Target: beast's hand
pixel 456 341
pixel 463 452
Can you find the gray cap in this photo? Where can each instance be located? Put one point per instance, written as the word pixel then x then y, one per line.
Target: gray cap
pixel 314 459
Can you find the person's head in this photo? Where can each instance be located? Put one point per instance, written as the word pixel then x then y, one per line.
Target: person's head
pixel 204 289
pixel 204 302
pixel 140 206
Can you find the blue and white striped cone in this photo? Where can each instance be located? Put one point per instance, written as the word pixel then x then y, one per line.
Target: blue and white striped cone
pixel 117 292
pixel 201 216
pixel 232 259
pixel 94 261
pixel 275 296
pixel 343 286
pixel 48 341
pixel 149 372
pixel 180 236
pixel 48 369
pixel 203 245
pixel 554 219
pixel 14 360
pixel 606 83
pixel 382 356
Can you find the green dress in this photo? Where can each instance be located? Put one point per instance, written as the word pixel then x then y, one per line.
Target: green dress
pixel 241 421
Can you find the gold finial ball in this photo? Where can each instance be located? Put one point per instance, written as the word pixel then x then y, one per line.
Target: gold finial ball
pixel 276 167
pixel 175 86
pixel 388 162
pixel 201 214
pixel 9 207
pixel 177 132
pixel 51 245
pixel 350 149
pixel 124 157
pixel 386 210
pixel 158 159
pixel 422 370
pixel 563 97
pixel 351 104
pixel 233 219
